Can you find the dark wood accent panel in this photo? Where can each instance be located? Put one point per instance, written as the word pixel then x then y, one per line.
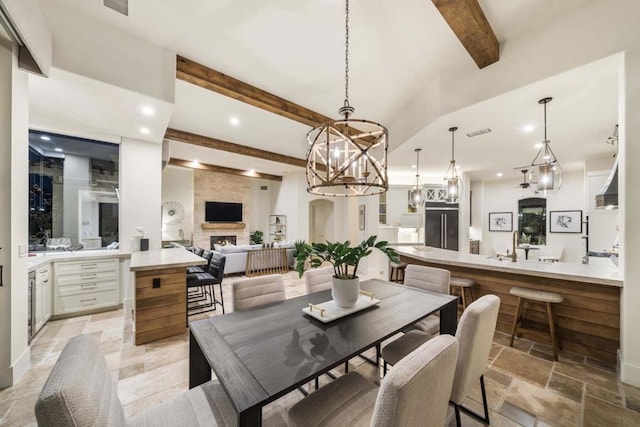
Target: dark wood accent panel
pixel 470 25
pixel 223 225
pixel 588 318
pixel 223 169
pixel 160 312
pixel 215 81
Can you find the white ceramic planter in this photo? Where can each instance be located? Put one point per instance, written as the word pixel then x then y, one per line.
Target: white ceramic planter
pixel 345 292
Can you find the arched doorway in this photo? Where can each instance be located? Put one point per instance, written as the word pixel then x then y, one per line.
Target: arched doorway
pixel 321 220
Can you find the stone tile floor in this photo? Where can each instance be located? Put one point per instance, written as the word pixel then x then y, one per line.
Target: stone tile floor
pixel 525 386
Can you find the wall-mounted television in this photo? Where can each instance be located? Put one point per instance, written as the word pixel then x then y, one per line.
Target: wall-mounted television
pixel 222 212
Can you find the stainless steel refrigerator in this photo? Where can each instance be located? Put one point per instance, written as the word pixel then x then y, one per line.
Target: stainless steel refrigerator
pixel 441 227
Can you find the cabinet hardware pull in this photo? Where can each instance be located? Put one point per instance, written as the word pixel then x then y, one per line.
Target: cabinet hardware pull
pixel 90 285
pixel 94 265
pixel 45 281
pixel 88 275
pixel 87 300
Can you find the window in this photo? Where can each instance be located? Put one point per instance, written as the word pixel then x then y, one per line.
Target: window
pixel 532 220
pixel 73 192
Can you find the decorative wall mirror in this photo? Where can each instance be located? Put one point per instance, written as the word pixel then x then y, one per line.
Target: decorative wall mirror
pixel 532 220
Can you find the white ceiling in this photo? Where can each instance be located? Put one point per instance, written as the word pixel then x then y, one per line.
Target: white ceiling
pixel 295 48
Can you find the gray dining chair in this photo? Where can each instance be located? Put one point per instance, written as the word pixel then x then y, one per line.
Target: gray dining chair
pixel 257 291
pixel 318 279
pixel 80 391
pixel 475 334
pixel 429 279
pixel 415 394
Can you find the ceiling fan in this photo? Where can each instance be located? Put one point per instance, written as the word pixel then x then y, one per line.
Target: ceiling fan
pixel 524 184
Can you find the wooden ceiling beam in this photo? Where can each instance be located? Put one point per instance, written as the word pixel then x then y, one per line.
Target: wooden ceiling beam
pixel 218 144
pixel 468 22
pixel 222 169
pixel 213 80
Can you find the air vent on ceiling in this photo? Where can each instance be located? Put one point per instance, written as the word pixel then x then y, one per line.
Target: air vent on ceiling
pixel 120 6
pixel 478 132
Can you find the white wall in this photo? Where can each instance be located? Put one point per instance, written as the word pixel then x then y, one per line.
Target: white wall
pixel 14 167
pixel 503 196
pixel 177 185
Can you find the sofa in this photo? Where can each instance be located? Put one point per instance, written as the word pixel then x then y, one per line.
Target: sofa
pixel 236 255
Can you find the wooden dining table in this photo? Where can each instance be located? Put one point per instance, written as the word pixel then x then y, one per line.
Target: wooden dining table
pixel 261 354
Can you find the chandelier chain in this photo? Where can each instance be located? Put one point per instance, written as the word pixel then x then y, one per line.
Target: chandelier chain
pixel 346 55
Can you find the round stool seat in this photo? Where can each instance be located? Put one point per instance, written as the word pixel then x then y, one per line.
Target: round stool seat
pixel 398 265
pixel 461 282
pixel 535 295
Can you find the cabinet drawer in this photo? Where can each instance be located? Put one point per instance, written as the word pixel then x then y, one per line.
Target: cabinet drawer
pixel 88 278
pixel 72 303
pixel 42 273
pixel 81 267
pixel 86 288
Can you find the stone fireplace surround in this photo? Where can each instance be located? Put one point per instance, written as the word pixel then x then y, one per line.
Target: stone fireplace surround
pixel 222 240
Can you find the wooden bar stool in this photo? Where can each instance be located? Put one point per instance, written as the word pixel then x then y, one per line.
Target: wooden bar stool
pixel 548 298
pixel 396 267
pixel 463 284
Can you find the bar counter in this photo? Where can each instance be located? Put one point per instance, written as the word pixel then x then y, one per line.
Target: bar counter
pixel 589 317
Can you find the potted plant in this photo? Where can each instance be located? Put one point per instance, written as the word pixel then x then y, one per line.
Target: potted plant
pixel 256 237
pixel 345 260
pixel 525 240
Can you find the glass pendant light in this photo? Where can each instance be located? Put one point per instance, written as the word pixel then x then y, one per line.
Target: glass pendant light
pixel 416 194
pixel 545 174
pixel 347 157
pixel 452 181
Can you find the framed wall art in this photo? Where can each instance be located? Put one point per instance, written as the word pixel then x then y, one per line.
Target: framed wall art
pixel 500 221
pixel 565 221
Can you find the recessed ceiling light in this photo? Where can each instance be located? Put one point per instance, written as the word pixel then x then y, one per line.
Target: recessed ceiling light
pixel 148 111
pixel 196 161
pixel 538 145
pixel 58 149
pixel 251 171
pixel 145 131
pixel 234 121
pixel 45 138
pixel 528 128
pixel 499 174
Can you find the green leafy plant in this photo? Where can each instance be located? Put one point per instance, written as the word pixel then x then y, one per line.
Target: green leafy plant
pixel 297 247
pixel 341 255
pixel 256 237
pixel 525 238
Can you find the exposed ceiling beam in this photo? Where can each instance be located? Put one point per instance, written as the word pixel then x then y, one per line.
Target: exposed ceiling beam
pixel 207 78
pixel 218 144
pixel 466 19
pixel 222 169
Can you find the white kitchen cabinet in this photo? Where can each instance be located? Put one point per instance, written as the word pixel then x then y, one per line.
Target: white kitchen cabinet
pixel 43 297
pixel 85 285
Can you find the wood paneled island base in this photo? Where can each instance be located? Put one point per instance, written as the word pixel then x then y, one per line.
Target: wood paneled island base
pixel 589 317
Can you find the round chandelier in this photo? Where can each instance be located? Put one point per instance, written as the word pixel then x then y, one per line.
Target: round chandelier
pixel 347 157
pixel 452 181
pixel 545 175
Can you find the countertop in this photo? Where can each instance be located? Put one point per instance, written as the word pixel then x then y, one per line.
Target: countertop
pixel 600 271
pixel 164 258
pixel 44 258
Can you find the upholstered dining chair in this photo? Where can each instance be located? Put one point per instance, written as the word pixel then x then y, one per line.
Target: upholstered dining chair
pixel 415 394
pixel 475 334
pixel 80 391
pixel 318 279
pixel 429 279
pixel 257 291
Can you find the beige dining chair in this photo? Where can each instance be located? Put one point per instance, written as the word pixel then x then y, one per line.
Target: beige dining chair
pixel 475 334
pixel 257 291
pixel 318 279
pixel 80 392
pixel 429 279
pixel 415 394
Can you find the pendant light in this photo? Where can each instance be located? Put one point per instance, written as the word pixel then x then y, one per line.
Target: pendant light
pixel 416 194
pixel 545 174
pixel 452 181
pixel 347 157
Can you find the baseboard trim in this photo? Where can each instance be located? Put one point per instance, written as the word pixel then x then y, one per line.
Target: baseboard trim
pixel 11 375
pixel 630 374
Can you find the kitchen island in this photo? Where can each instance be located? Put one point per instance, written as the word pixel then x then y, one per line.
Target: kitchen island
pixel 589 317
pixel 161 292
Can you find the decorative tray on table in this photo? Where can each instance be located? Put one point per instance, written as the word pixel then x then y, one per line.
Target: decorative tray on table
pixel 329 311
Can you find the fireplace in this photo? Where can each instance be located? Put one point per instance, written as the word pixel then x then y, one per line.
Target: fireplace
pixel 222 240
